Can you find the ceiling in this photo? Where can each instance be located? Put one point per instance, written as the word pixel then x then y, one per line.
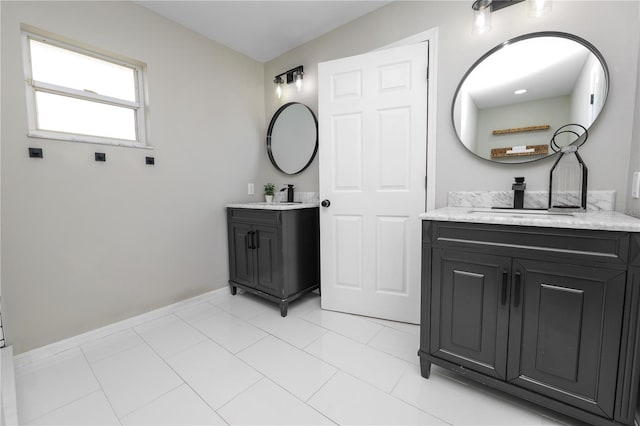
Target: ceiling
pixel 545 66
pixel 262 30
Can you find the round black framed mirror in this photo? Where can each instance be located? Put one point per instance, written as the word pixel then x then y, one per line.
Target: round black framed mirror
pixel 292 138
pixel 512 99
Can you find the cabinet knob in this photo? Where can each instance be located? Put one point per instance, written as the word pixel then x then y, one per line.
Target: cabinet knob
pixel 325 203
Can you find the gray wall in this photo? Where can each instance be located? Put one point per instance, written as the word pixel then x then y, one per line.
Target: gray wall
pixel 85 243
pixel 612 26
pixel 552 111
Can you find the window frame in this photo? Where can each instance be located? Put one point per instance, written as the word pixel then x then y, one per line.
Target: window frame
pixel 32 86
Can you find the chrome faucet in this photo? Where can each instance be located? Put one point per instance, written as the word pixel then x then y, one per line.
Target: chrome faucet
pixel 518 192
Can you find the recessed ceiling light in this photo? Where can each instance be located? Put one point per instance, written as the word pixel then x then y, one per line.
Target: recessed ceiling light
pixel 520 91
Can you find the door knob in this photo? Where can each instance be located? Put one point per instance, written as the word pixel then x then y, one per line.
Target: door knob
pixel 325 203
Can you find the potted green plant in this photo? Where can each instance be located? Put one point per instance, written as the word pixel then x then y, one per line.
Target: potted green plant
pixel 269 190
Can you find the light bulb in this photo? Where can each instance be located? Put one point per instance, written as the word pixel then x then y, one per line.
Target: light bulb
pixel 481 17
pixel 299 80
pixel 278 81
pixel 538 8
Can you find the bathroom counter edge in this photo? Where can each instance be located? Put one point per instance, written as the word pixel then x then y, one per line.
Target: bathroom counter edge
pixel 595 220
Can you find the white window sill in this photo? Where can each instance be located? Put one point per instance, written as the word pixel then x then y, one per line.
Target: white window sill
pixel 43 134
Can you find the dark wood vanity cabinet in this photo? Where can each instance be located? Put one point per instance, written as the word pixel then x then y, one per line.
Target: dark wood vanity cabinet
pixel 547 314
pixel 274 254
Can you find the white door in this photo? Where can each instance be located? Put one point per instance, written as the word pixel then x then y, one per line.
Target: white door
pixel 373 147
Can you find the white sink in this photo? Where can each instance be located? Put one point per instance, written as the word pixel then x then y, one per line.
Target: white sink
pixel 520 212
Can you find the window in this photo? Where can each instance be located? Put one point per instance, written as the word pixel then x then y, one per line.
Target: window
pixel 79 95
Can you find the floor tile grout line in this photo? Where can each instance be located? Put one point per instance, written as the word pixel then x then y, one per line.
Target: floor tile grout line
pixel 184 349
pixel 230 353
pixel 382 327
pixel 334 331
pixel 263 376
pixel 387 393
pixel 288 392
pixel 324 331
pixel 95 376
pixel 184 381
pixel 322 386
pixel 75 399
pixel 237 396
pixel 407 365
pixel 305 353
pixel 63 406
pixel 143 342
pixel 410 403
pixel 306 402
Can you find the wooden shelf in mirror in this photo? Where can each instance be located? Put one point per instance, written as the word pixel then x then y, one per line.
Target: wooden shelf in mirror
pixel 521 129
pixel 503 152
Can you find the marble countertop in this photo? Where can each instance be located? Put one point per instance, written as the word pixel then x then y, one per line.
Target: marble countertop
pixel 596 220
pixel 273 206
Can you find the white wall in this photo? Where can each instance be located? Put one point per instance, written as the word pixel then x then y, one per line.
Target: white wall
pixel 85 243
pixel 612 26
pixel 581 109
pixel 465 117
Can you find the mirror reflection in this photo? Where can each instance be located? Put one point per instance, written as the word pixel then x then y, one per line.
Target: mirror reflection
pixel 510 102
pixel 292 138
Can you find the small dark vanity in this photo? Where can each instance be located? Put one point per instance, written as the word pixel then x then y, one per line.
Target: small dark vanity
pixel 274 251
pixel 545 308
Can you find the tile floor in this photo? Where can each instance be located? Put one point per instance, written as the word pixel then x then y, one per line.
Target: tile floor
pixel 234 360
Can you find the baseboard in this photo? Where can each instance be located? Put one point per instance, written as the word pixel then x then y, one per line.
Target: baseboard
pixel 37 355
pixel 8 405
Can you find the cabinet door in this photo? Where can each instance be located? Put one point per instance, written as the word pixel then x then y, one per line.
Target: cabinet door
pixel 268 266
pixel 240 253
pixel 564 333
pixel 470 310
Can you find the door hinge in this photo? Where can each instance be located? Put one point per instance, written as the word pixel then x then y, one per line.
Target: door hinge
pixel 427 72
pixel 425 182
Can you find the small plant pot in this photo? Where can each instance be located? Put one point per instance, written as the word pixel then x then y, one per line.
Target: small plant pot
pixel 268 198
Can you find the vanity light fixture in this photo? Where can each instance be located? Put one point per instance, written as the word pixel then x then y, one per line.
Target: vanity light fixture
pixel 482 10
pixel 294 75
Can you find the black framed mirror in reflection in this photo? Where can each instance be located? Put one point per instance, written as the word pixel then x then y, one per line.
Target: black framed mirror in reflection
pixel 513 98
pixel 292 138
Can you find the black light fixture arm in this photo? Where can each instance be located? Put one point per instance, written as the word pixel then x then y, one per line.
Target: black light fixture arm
pixel 494 4
pixel 290 75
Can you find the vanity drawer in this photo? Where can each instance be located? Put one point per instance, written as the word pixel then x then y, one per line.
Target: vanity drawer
pixel 263 217
pixel 601 247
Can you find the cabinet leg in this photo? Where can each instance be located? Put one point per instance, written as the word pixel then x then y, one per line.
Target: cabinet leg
pixel 233 289
pixel 425 368
pixel 284 307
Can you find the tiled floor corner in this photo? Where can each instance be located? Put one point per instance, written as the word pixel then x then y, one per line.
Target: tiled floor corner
pixel 233 360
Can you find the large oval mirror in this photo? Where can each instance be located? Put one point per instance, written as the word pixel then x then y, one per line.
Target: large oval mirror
pixel 292 138
pixel 512 100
